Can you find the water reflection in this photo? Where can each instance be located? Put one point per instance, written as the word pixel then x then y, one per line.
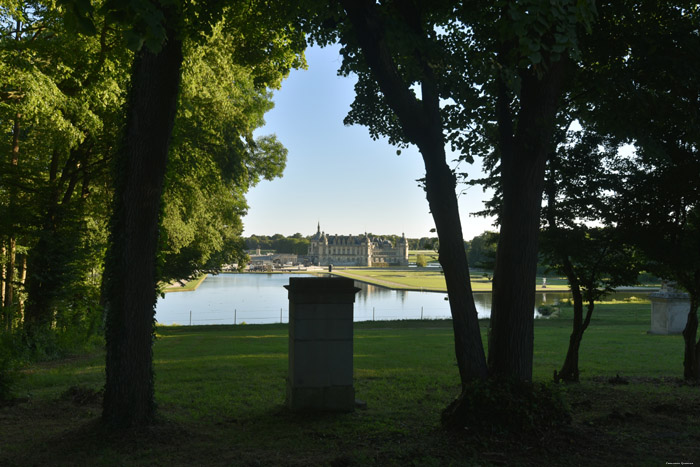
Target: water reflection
pixel 261 298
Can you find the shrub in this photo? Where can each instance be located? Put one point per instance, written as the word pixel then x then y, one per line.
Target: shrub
pixel 498 406
pixel 547 310
pixel 9 364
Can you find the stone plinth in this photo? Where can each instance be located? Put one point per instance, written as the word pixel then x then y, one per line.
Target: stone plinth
pixel 320 344
pixel 669 311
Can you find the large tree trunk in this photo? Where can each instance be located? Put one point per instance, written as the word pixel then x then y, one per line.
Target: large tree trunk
pixel 131 264
pixel 524 148
pixel 422 125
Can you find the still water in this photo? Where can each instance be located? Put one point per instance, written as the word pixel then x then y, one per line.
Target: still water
pixel 261 298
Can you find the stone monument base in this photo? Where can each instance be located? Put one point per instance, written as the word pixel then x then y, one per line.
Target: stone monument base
pixel 331 399
pixel 669 311
pixel 320 376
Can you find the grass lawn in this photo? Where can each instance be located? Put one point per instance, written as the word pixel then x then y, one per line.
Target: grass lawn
pixel 220 392
pixel 428 279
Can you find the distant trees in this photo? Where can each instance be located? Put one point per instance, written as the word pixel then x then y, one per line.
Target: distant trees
pixel 299 245
pixel 296 244
pixel 481 250
pixel 423 243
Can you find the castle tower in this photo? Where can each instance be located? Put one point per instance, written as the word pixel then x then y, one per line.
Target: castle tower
pixel 403 250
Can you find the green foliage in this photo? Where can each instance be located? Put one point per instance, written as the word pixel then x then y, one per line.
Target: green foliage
pixel 421 261
pixel 296 244
pixel 214 158
pixel 481 250
pixel 9 363
pixel 542 30
pixel 547 310
pixel 63 91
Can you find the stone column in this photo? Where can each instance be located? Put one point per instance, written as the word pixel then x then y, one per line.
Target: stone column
pixel 669 310
pixel 321 344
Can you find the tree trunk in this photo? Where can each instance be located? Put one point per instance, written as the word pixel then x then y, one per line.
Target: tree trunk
pixel 570 371
pixel 2 275
pixel 440 188
pixel 49 260
pixel 691 360
pixel 10 274
pixel 42 284
pixel 422 125
pixel 22 282
pixel 131 264
pixel 523 156
pixel 12 241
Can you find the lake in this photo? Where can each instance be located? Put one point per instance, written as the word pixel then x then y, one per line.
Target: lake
pixel 262 298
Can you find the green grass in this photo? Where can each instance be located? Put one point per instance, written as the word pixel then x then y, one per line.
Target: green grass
pixel 220 392
pixel 188 287
pixel 428 279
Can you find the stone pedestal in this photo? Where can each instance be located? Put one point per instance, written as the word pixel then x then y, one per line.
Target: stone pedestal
pixel 320 344
pixel 669 310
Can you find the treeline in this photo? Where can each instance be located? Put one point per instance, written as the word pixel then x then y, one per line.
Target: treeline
pixel 299 245
pixel 296 244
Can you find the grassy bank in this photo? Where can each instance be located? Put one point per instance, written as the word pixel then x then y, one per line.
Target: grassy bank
pixel 220 392
pixel 429 279
pixel 188 286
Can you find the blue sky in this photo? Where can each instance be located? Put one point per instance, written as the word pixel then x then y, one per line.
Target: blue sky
pixel 337 175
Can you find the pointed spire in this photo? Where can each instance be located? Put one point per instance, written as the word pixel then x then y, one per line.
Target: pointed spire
pixel 318 229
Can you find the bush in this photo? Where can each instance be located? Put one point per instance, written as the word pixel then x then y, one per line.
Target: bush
pixel 497 407
pixel 547 310
pixel 9 364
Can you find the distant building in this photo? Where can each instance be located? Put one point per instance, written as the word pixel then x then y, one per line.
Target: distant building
pixel 356 250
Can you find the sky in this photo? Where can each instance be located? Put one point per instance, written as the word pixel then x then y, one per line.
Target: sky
pixel 337 175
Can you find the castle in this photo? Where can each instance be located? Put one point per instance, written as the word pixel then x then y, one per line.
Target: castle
pixel 360 250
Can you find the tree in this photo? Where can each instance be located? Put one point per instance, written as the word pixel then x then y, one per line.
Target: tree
pixel 487 62
pixel 660 213
pixel 57 80
pixel 373 36
pixel 656 199
pixel 421 261
pixel 214 160
pixel 482 250
pixel 594 260
pixel 130 271
pixel 131 266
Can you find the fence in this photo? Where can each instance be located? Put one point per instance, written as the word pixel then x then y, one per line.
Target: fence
pixel 281 315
